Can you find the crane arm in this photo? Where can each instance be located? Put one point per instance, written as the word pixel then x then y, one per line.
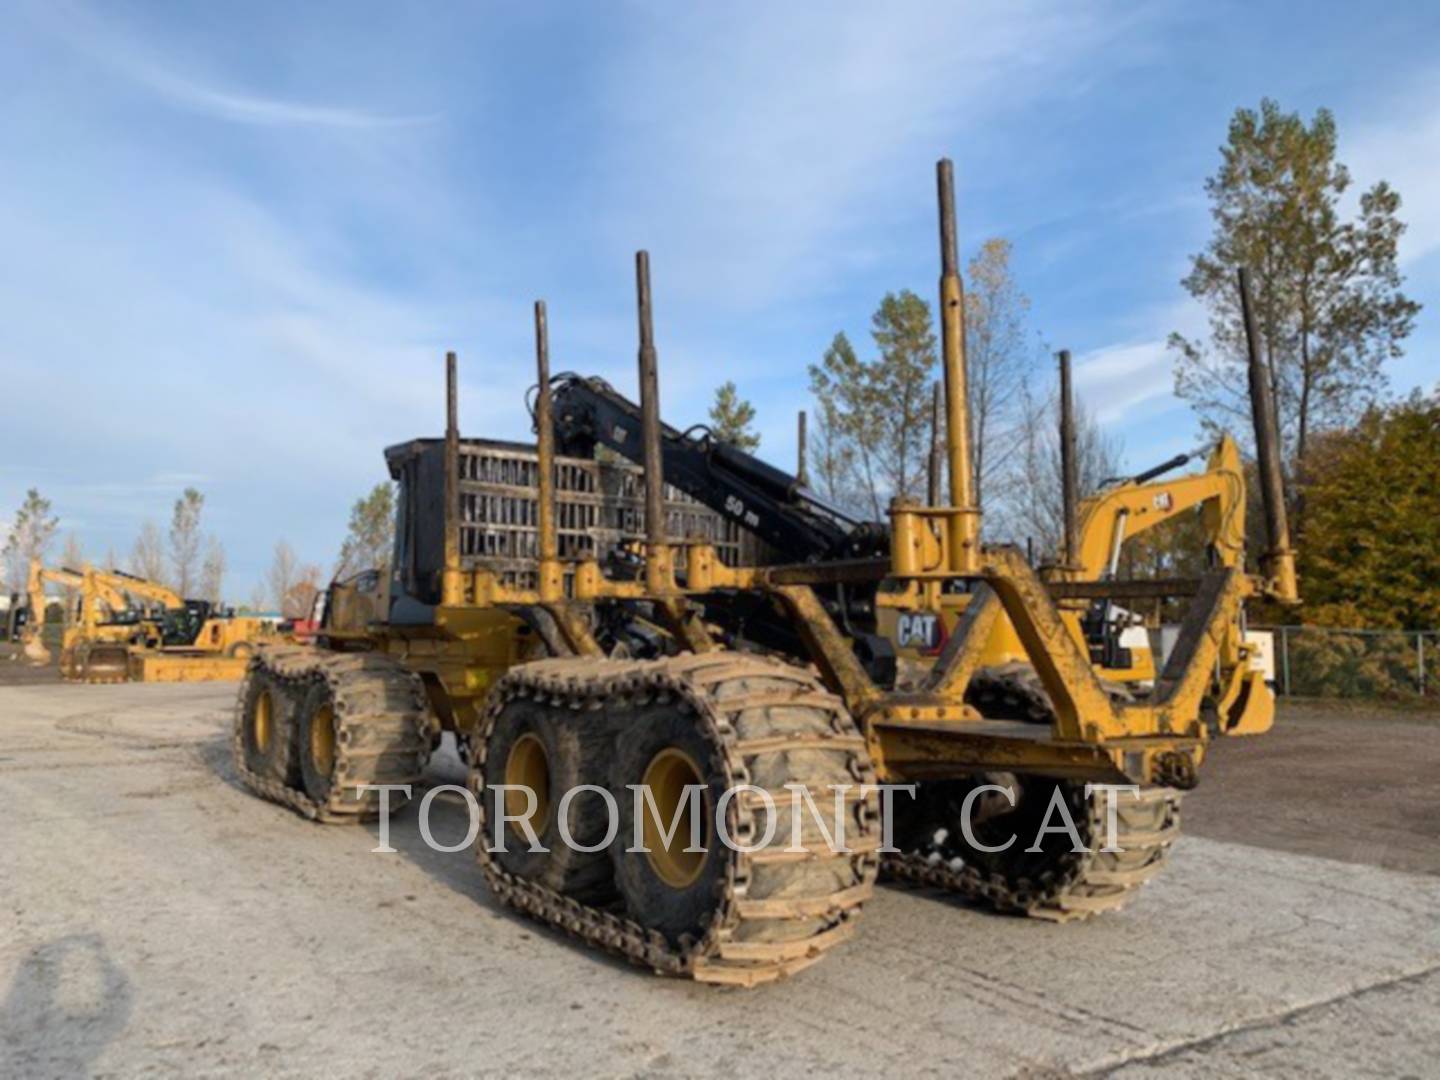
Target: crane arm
pixel 796 522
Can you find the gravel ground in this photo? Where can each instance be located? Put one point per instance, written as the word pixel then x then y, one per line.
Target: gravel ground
pixel 156 918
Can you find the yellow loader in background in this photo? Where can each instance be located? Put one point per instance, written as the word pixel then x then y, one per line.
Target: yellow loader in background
pixel 126 628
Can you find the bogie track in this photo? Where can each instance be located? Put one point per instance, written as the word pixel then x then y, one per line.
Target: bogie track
pixel 1056 883
pixel 764 724
pixel 381 731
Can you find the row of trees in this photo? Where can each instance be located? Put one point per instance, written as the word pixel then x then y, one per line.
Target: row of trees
pixel 192 562
pixel 875 417
pixel 185 559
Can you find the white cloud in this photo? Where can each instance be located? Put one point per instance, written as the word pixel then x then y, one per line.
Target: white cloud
pixel 113 46
pixel 250 109
pixel 1117 378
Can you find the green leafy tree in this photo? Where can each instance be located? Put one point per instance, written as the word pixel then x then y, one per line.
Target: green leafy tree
pixel 1370 556
pixel 371 535
pixel 850 427
pixel 31 533
pixel 731 417
pixel 185 542
pixel 1329 307
pixel 875 415
pixel 905 336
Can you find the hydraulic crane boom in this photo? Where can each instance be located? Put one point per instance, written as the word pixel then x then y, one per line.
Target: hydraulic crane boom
pixel 795 522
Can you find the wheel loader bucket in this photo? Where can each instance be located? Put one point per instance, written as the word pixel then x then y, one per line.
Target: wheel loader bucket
pixel 96 662
pixel 35 651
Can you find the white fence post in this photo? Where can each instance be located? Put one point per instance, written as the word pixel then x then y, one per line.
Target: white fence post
pixel 1420 661
pixel 1285 660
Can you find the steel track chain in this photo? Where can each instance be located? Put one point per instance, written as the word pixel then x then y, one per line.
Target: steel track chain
pixel 584 686
pixel 1080 884
pixel 355 679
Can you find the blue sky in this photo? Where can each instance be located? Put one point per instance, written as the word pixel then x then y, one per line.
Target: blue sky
pixel 235 240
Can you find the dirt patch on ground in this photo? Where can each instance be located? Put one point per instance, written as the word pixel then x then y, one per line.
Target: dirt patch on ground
pixel 1346 781
pixel 16 671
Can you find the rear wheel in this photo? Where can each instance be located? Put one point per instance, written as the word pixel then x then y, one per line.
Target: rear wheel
pixel 267 728
pixel 667 887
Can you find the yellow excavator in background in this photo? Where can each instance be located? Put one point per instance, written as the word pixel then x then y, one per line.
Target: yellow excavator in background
pixel 1006 685
pixel 162 637
pixel 84 620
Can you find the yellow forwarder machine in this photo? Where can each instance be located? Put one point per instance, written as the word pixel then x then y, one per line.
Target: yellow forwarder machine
pixel 448 643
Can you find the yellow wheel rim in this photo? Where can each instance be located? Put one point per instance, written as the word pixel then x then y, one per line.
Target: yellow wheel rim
pixel 667 776
pixel 263 721
pixel 528 767
pixel 322 740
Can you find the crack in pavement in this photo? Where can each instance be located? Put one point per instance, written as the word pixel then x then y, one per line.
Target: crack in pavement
pixel 1281 1019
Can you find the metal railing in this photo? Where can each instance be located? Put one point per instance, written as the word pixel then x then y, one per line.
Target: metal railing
pixel 1322 661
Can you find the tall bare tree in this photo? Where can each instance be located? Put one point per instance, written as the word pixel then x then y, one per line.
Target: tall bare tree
pixel 1033 508
pixel 72 557
pixel 832 457
pixel 212 572
pixel 31 532
pixel 999 354
pixel 283 573
pixel 185 541
pixel 147 557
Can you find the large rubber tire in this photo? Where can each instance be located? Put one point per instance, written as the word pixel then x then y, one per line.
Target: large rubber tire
pixel 315 734
pixel 240 649
pixel 267 712
pixel 571 748
pixel 674 910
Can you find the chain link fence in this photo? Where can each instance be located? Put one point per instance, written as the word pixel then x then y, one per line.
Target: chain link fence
pixel 1319 661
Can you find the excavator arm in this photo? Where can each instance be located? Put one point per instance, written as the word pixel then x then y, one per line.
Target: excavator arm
pixel 1119 514
pixel 117 581
pixel 31 643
